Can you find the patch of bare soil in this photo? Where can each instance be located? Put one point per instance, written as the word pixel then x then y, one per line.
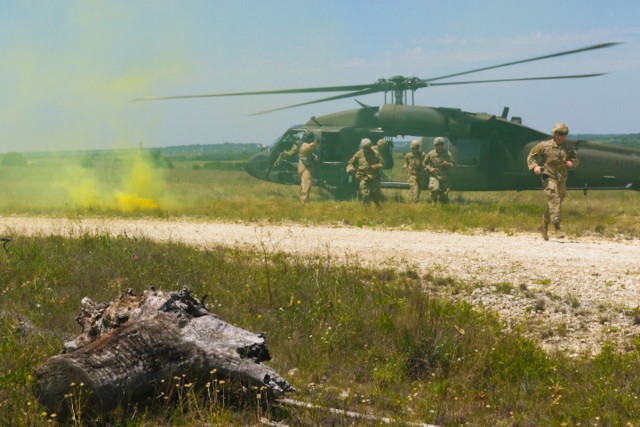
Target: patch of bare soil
pixel 572 294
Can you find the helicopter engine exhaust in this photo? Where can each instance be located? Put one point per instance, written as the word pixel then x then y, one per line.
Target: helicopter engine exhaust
pixel 412 120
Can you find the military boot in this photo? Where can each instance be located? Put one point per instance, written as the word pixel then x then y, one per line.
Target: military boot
pixel 544 230
pixel 559 233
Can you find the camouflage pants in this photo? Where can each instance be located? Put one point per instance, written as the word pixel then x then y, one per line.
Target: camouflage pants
pixel 370 191
pixel 416 185
pixel 555 191
pixel 306 182
pixel 439 190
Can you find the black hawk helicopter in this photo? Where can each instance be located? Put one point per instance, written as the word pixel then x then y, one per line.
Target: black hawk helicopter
pixel 490 151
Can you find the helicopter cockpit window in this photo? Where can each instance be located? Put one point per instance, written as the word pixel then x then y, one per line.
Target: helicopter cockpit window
pixel 468 152
pixel 284 152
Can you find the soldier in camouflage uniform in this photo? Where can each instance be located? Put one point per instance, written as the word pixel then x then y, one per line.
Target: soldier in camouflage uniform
pixel 306 165
pixel 367 164
pixel 438 163
pixel 414 164
pixel 381 145
pixel 552 160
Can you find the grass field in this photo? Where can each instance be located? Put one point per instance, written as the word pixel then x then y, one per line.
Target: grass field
pixel 373 341
pixel 347 337
pixel 130 185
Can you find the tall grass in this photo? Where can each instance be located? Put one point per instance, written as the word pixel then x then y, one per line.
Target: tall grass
pixel 62 186
pixel 374 341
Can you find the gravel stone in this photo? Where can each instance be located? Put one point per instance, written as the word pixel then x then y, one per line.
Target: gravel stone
pixel 572 295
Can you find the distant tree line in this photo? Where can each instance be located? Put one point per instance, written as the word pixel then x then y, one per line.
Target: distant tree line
pixel 631 140
pixel 13 158
pixel 212 152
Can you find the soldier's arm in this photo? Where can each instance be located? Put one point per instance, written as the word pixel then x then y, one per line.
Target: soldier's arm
pixel 291 151
pixel 532 158
pixel 424 161
pixel 429 164
pixel 351 164
pixel 446 161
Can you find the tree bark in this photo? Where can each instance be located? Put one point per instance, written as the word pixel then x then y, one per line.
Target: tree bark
pixel 133 347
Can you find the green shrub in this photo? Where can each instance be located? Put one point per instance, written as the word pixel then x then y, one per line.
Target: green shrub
pixel 13 159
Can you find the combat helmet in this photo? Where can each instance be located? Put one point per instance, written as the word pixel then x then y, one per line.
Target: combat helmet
pixel 439 140
pixel 560 128
pixel 365 143
pixel 309 136
pixel 415 144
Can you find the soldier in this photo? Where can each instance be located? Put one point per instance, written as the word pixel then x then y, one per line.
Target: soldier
pixel 552 160
pixel 414 164
pixel 381 145
pixel 306 164
pixel 367 164
pixel 438 162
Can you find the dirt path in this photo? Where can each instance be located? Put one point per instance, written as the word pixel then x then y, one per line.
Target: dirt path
pixel 573 294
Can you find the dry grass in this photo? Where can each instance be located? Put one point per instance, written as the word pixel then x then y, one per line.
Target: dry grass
pixel 117 185
pixel 373 341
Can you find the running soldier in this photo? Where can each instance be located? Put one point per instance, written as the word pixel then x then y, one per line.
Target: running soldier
pixel 552 160
pixel 438 163
pixel 414 164
pixel 367 163
pixel 307 160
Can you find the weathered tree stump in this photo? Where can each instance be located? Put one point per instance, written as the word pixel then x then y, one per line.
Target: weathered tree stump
pixel 130 347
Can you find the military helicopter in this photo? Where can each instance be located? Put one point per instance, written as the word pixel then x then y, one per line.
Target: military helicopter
pixel 490 151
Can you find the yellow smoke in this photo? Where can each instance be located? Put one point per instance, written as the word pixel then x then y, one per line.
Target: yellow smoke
pixel 136 186
pixel 83 190
pixel 74 91
pixel 142 187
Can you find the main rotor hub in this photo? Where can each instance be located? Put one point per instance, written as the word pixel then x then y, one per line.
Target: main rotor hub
pixel 398 85
pixel 401 83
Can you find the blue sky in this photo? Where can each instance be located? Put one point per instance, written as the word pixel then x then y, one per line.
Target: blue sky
pixel 70 69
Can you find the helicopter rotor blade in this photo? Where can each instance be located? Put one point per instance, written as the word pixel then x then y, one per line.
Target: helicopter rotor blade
pixel 331 98
pixel 537 58
pixel 575 76
pixel 393 84
pixel 266 92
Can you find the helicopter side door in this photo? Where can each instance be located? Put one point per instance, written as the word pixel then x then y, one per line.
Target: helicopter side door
pixel 335 150
pixel 471 164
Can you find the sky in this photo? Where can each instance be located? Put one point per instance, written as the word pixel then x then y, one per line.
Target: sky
pixel 70 70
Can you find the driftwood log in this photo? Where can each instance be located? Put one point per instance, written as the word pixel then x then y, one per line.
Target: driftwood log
pixel 130 347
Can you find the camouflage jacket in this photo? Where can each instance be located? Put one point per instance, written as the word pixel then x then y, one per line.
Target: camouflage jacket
pixel 553 158
pixel 414 165
pixel 435 160
pixel 363 163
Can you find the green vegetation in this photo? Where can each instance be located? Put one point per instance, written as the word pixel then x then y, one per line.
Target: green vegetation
pixel 199 183
pixel 13 159
pixel 373 341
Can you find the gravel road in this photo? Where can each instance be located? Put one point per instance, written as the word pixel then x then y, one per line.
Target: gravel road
pixel 573 294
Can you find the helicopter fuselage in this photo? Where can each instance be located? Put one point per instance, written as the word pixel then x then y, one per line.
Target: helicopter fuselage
pixel 490 151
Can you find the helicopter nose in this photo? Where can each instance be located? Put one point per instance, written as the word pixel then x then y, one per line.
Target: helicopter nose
pixel 258 165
